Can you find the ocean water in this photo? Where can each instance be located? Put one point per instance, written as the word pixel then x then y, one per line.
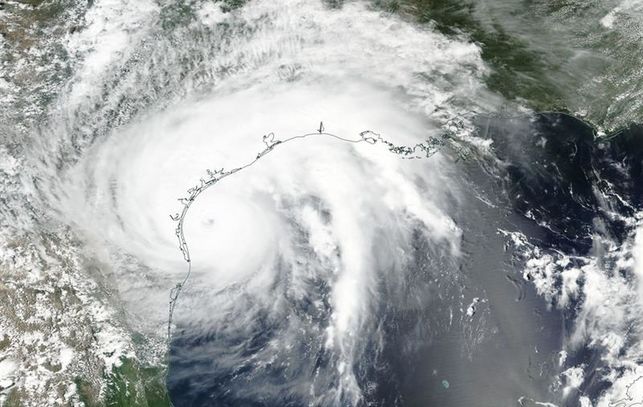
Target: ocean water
pixel 463 231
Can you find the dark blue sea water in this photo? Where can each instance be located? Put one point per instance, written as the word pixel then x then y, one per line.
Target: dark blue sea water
pixel 548 177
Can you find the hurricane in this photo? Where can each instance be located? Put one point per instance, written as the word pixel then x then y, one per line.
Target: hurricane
pixel 321 203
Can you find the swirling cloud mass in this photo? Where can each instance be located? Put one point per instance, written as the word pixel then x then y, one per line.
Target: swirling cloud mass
pixel 502 267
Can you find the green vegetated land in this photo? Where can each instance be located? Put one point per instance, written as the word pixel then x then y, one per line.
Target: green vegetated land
pixel 540 76
pixel 128 385
pixel 519 73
